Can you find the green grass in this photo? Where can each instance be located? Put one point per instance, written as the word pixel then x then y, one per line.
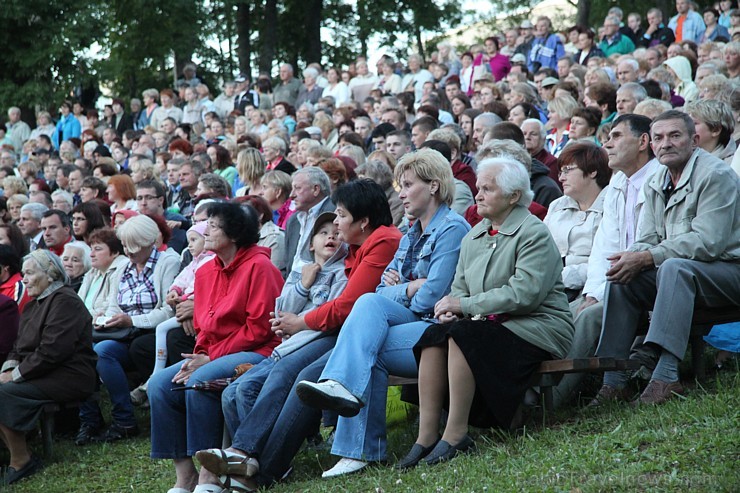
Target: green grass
pixel 688 444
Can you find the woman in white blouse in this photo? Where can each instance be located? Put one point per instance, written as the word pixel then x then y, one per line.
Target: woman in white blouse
pixel 336 88
pixel 390 82
pixel 574 218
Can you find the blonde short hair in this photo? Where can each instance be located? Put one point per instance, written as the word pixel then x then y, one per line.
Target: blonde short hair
pixel 429 165
pixel 138 233
pixel 251 165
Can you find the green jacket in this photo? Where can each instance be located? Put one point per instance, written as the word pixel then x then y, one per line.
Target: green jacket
pixel 516 272
pixel 622 45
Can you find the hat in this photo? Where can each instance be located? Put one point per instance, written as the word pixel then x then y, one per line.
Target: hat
pixel 324 217
pixel 199 228
pixel 241 78
pixel 518 58
pixel 526 25
pixel 313 131
pixel 550 81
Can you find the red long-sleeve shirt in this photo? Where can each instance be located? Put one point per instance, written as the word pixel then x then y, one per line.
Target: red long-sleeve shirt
pixel 364 267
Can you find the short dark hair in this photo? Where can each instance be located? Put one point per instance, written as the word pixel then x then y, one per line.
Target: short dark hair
pixel 108 237
pixel 426 123
pixel 638 125
pixel 67 169
pixel 382 130
pixel 604 93
pixel 652 87
pixel 591 115
pixel 10 259
pixel 363 198
pixel 507 131
pixel 589 158
pixel 238 223
pixel 439 146
pixel 429 110
pixel 92 213
pixel 530 110
pixel 96 184
pixel 677 115
pixel 63 217
pixel 153 184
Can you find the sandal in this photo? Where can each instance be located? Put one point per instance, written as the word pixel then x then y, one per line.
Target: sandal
pixel 222 462
pixel 238 483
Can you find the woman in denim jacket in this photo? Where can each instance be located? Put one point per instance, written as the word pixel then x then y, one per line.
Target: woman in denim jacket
pixel 380 332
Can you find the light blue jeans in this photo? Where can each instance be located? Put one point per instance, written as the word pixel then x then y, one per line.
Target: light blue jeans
pixel 376 339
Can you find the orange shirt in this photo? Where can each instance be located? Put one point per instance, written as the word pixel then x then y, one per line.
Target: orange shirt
pixel 679 28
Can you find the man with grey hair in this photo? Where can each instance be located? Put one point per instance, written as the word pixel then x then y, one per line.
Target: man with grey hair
pixel 310 91
pixel 310 195
pixel 18 131
pixel 62 200
pixel 481 125
pixel 628 70
pixel 416 78
pixel 614 41
pixel 534 141
pixel 656 32
pixel 629 96
pixel 29 223
pixel 288 88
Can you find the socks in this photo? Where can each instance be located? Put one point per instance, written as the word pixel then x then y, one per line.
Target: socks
pixel 667 368
pixel 616 379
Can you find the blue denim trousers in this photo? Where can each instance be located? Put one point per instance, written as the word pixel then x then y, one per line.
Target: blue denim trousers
pixel 184 422
pixel 253 403
pixel 376 339
pixel 113 359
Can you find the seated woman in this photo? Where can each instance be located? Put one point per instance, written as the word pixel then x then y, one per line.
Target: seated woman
pixel 276 188
pixel 52 359
pixel 100 283
pixel 507 313
pixel 76 262
pixel 378 336
pixel 271 236
pixel 138 307
pixel 268 425
pixel 86 218
pixel 574 218
pixel 583 126
pixel 234 295
pixel 715 124
pixel 11 284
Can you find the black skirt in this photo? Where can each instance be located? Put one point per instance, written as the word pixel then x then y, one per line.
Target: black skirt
pixel 502 364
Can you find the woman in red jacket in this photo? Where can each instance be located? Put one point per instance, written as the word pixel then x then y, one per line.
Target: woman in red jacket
pixel 234 295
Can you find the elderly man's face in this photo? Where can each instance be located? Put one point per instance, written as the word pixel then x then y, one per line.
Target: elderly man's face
pixel 626 73
pixel 542 28
pixel 285 73
pixel 672 143
pixel 626 102
pixel 533 140
pixel 14 116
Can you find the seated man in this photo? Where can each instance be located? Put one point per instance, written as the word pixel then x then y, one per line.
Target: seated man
pixel 687 253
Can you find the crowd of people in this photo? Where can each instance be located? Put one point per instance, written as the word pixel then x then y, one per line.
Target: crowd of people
pixel 266 258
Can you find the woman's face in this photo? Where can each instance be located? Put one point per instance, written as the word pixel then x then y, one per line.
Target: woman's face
pixel 362 68
pixel 35 279
pixel 256 117
pixel 101 256
pixel 196 243
pixel 4 238
pixel 579 128
pixel 492 203
pixel 467 124
pixel 112 194
pixel 516 115
pixel 458 107
pixel 279 111
pixel 584 42
pixel 337 118
pixel 87 194
pixel 215 239
pixel 240 126
pixel 708 139
pixel 574 180
pixel 271 194
pixel 64 110
pixel 15 211
pixel 350 231
pixel 555 119
pixel 709 19
pixel 72 262
pixel 467 61
pixel 137 174
pixel 515 98
pixel 332 76
pixel 674 50
pixel 416 194
pixel 79 224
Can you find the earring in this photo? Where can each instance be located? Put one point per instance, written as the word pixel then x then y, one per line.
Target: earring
pixel 362 228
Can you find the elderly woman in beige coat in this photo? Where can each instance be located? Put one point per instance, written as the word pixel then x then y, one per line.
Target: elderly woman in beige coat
pixel 100 283
pixel 507 313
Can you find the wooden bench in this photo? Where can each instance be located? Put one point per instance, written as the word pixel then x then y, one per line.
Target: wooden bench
pixel 549 374
pixel 47 421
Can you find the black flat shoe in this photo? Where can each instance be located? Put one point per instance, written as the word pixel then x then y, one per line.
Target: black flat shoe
pixel 87 434
pixel 32 467
pixel 415 455
pixel 444 451
pixel 117 432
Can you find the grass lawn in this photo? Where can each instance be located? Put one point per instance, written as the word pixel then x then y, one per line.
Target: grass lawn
pixel 688 444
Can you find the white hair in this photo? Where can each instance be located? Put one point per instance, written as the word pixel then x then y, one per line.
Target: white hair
pixel 540 126
pixel 138 233
pixel 64 195
pixel 488 119
pixel 37 210
pixel 512 177
pixel 638 92
pixel 316 176
pixel 311 72
pixel 85 251
pixel 632 63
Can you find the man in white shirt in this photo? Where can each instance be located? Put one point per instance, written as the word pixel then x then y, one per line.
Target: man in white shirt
pixel 632 160
pixel 417 76
pixel 18 130
pixel 29 223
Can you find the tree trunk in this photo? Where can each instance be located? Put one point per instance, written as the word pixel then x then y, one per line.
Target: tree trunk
pixel 243 44
pixel 267 36
pixel 419 43
pixel 584 12
pixel 312 52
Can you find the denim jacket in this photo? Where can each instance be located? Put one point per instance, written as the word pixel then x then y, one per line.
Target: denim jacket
pixel 436 262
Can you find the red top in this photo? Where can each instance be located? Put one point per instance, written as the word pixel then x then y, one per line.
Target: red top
pixel 59 249
pixel 233 304
pixel 364 267
pixel 472 217
pixel 463 172
pixel 14 289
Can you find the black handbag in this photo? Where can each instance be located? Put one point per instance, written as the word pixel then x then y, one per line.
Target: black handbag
pixel 120 334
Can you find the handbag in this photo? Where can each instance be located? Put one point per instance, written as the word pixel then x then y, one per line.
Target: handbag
pixel 120 334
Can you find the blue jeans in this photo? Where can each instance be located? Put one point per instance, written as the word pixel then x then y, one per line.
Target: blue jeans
pixel 113 358
pixel 376 339
pixel 185 422
pixel 253 403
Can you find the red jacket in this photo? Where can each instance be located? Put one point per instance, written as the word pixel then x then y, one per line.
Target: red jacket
pixel 14 289
pixel 463 172
pixel 364 268
pixel 233 304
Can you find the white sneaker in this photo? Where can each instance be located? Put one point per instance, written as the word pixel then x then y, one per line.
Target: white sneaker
pixel 345 466
pixel 330 395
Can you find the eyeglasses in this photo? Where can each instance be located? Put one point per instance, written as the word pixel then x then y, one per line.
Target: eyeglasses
pixel 566 169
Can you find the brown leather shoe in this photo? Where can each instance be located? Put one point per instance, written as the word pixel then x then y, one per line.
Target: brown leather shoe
pixel 657 392
pixel 608 393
